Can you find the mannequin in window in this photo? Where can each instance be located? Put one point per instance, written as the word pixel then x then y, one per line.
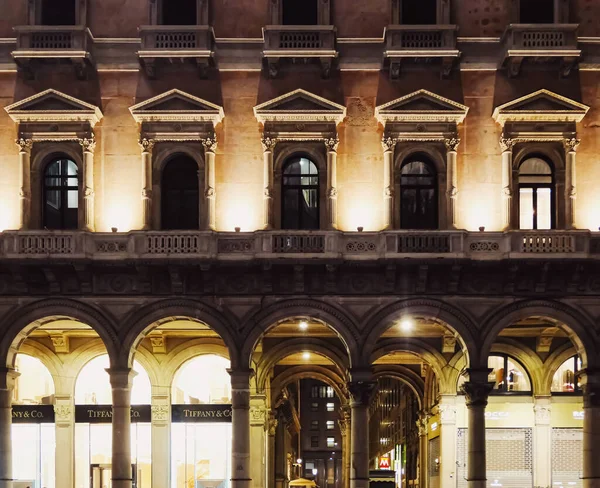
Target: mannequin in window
pixel 58 12
pixel 300 12
pixel 568 381
pixel 499 379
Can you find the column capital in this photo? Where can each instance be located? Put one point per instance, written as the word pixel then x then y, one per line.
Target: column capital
pixel 146 145
pixel 452 144
pixel 423 422
pixel 591 387
pixel 388 143
pixel 268 142
pixel 88 144
pixel 331 143
pixel 24 145
pixel 477 393
pixel 571 144
pixel 8 377
pixel 210 143
pixel 240 378
pixel 361 392
pixel 121 378
pixel 271 424
pixel 506 144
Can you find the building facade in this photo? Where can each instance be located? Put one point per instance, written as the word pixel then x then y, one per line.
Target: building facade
pixel 210 203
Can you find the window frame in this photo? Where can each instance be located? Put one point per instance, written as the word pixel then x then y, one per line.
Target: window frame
pixel 323 12
pixel 560 13
pixel 34 12
pixel 578 390
pixel 156 7
pixel 442 12
pixel 169 161
pixel 505 391
pixel 419 158
pixel 535 187
pixel 63 190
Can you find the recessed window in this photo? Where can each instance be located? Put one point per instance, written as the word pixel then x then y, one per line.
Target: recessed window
pixel 330 407
pixel 314 425
pixel 566 378
pixel 419 12
pixel 331 442
pixel 314 441
pixel 418 196
pixel 536 11
pixel 314 406
pixel 180 194
pixel 330 425
pixel 508 375
pixel 300 195
pixel 61 195
pixel 300 12
pixel 179 12
pixel 58 12
pixel 536 199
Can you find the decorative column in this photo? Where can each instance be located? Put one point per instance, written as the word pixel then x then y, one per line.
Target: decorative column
pixel 210 146
pixel 120 380
pixel 271 427
pixel 240 416
pixel 360 397
pixel 281 452
pixel 476 391
pixel 507 184
pixel 258 442
pixel 447 409
pixel 345 424
pixel 147 145
pixel 388 144
pixel 88 146
pixel 161 436
pixel 570 182
pixel 268 144
pixel 25 146
pixel 7 383
pixel 451 180
pixel 542 442
pixel 423 426
pixel 591 428
pixel 332 193
pixel 64 419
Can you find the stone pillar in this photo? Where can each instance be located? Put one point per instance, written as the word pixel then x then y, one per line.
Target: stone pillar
pixel 210 146
pixel 258 441
pixel 507 184
pixel 25 146
pixel 345 423
pixel 147 145
pixel 571 182
pixel 476 390
pixel 64 414
pixel 161 436
pixel 542 442
pixel 271 427
pixel 120 380
pixel 591 429
pixel 331 145
pixel 451 180
pixel 268 145
pixel 281 472
pixel 360 397
pixel 447 409
pixel 240 443
pixel 388 144
pixel 88 146
pixel 423 426
pixel 7 383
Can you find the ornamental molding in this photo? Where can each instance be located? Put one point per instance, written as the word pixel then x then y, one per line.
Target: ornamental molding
pixel 24 145
pixel 571 144
pixel 268 142
pixel 177 106
pixel 299 106
pixel 160 413
pixel 88 144
pixel 421 106
pixel 53 106
pixel 63 413
pixel 452 144
pixel 540 106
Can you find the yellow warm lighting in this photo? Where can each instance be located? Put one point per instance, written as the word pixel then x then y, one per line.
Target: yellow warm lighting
pixel 191 386
pixel 122 213
pixel 482 211
pixel 240 209
pixel 359 213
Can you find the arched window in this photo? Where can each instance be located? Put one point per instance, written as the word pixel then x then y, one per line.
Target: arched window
pixel 419 12
pixel 536 11
pixel 300 12
pixel 536 194
pixel 418 195
pixel 58 12
pixel 300 195
pixel 61 194
pixel 34 385
pixel 180 194
pixel 179 12
pixel 508 375
pixel 566 378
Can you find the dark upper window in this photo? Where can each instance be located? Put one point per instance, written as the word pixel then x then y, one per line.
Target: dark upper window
pixel 58 12
pixel 180 194
pixel 300 195
pixel 61 194
pixel 536 194
pixel 566 378
pixel 419 12
pixel 314 441
pixel 179 12
pixel 418 195
pixel 300 12
pixel 536 11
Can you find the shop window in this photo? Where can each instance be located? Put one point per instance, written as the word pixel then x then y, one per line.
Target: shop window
pixel 418 195
pixel 34 385
pixel 331 442
pixel 314 393
pixel 300 195
pixel 179 12
pixel 58 12
pixel 314 441
pixel 314 425
pixel 536 11
pixel 419 12
pixel 330 407
pixel 180 194
pixel 536 194
pixel 300 12
pixel 330 425
pixel 507 375
pixel 61 194
pixel 566 379
pixel 190 388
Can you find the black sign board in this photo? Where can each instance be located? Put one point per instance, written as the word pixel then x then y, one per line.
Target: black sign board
pixel 102 414
pixel 33 414
pixel 201 413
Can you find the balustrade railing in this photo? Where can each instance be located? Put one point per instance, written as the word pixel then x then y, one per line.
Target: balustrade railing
pixel 175 39
pixel 420 38
pixel 540 38
pixel 44 40
pixel 310 39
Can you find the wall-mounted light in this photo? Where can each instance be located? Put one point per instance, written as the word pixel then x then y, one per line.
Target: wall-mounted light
pixel 360 229
pixel 306 356
pixel 482 228
pixel 114 229
pixel 303 325
pixel 237 229
pixel 407 324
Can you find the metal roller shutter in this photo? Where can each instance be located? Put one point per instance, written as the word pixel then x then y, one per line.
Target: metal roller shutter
pixel 434 472
pixel 567 464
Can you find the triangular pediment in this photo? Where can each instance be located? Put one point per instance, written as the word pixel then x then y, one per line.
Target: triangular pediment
pixel 179 106
pixel 541 106
pixel 53 106
pixel 421 106
pixel 300 105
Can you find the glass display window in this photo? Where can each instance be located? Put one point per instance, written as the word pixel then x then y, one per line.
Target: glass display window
pixel 566 379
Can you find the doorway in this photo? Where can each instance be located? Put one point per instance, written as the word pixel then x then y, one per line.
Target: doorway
pixel 101 476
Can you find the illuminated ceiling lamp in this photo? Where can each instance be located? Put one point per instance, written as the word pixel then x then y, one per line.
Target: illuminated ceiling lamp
pixel 303 325
pixel 407 324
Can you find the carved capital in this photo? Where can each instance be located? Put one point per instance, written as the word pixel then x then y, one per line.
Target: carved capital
pixel 209 192
pixel 506 144
pixel 160 413
pixel 542 414
pixel 88 192
pixel 146 145
pixel 447 413
pixel 361 392
pixel 271 425
pixel 146 194
pixel 423 423
pixel 332 193
pixel 24 145
pixel 332 143
pixel 268 142
pixel 591 389
pixel 452 144
pixel 88 145
pixel 477 393
pixel 506 192
pixel 257 415
pixel 268 193
pixel 210 144
pixel 24 195
pixel 388 143
pixel 63 413
pixel 388 192
pixel 452 192
pixel 571 144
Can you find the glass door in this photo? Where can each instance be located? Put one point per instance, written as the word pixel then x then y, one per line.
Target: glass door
pixel 101 475
pixel 33 455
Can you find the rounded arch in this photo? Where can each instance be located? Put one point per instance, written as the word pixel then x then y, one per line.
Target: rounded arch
pixel 186 382
pixel 433 153
pixel 313 373
pixel 20 321
pixel 146 319
pixel 336 319
pixel 453 318
pixel 35 380
pixel 555 361
pixel 526 358
pixel 549 152
pixel 576 325
pixel 405 375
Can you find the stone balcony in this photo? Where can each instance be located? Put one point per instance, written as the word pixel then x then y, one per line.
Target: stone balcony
pixel 175 43
pixel 541 42
pixel 43 43
pixel 404 42
pixel 299 42
pixel 295 245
